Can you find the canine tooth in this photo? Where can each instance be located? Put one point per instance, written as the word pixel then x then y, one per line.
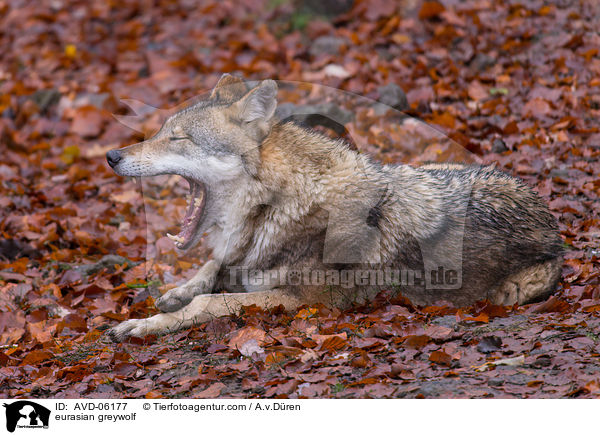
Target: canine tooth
pixel 176 239
pixel 197 202
pixel 188 198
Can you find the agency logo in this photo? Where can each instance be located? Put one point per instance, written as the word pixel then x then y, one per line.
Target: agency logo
pixel 24 414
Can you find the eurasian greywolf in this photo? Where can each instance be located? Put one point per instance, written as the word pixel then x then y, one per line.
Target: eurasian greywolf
pixel 294 217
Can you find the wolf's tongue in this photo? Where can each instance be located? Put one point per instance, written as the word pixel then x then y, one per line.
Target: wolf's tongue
pixel 192 217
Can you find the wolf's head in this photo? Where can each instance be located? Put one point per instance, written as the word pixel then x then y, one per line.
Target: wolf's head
pixel 211 144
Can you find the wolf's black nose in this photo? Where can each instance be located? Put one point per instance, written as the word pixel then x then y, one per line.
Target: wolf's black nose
pixel 113 157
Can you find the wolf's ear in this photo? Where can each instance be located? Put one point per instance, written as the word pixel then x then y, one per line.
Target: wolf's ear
pixel 229 89
pixel 259 103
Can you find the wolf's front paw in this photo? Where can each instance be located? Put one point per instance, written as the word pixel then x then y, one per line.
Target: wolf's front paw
pixel 174 299
pixel 130 328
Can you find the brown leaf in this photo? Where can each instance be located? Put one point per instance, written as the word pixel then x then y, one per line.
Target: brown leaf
pixel 320 338
pixel 477 91
pixel 416 341
pixel 216 347
pixel 241 336
pixel 361 361
pixel 40 332
pixel 333 343
pixel 430 9
pixel 401 371
pixel 552 305
pixel 36 356
pixel 211 392
pixel 482 317
pixel 275 358
pixel 444 119
pixel 72 321
pixel 438 332
pixel 124 369
pixel 377 9
pixel 494 311
pixel 439 357
pixel 536 107
pixel 87 122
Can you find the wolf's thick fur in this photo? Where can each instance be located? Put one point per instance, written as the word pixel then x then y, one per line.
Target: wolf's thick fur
pixel 282 198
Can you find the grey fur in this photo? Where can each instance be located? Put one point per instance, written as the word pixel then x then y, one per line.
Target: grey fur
pixel 286 199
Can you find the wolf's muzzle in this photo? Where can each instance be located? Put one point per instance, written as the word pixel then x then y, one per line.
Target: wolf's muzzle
pixel 113 157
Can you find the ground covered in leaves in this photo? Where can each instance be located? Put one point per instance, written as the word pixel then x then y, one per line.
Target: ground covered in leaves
pixel 516 82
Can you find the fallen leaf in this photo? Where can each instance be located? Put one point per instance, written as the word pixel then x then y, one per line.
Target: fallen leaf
pixel 246 334
pixel 430 9
pixel 211 392
pixel 440 357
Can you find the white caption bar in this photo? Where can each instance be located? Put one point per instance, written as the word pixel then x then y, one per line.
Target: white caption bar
pixel 83 416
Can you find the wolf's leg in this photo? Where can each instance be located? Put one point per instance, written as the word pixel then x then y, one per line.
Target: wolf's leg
pixel 203 282
pixel 202 309
pixel 529 285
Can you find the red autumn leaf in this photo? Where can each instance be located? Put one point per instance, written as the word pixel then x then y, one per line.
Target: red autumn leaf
pixel 321 338
pixel 72 321
pixel 36 356
pixel 494 311
pixel 333 343
pixel 439 357
pixel 361 361
pixel 482 317
pixel 430 9
pixel 552 305
pixel 445 120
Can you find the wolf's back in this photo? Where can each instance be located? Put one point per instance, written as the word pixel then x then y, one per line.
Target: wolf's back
pixel 491 227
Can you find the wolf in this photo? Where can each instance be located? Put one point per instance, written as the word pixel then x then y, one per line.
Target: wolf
pixel 327 224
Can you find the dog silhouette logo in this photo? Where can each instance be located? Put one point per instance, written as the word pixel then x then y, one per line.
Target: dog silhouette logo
pixel 26 414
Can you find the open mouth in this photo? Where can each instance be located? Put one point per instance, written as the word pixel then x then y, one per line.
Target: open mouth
pixel 193 215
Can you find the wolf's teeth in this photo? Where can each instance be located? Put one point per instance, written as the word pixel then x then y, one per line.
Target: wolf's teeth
pixel 188 198
pixel 176 239
pixel 197 202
